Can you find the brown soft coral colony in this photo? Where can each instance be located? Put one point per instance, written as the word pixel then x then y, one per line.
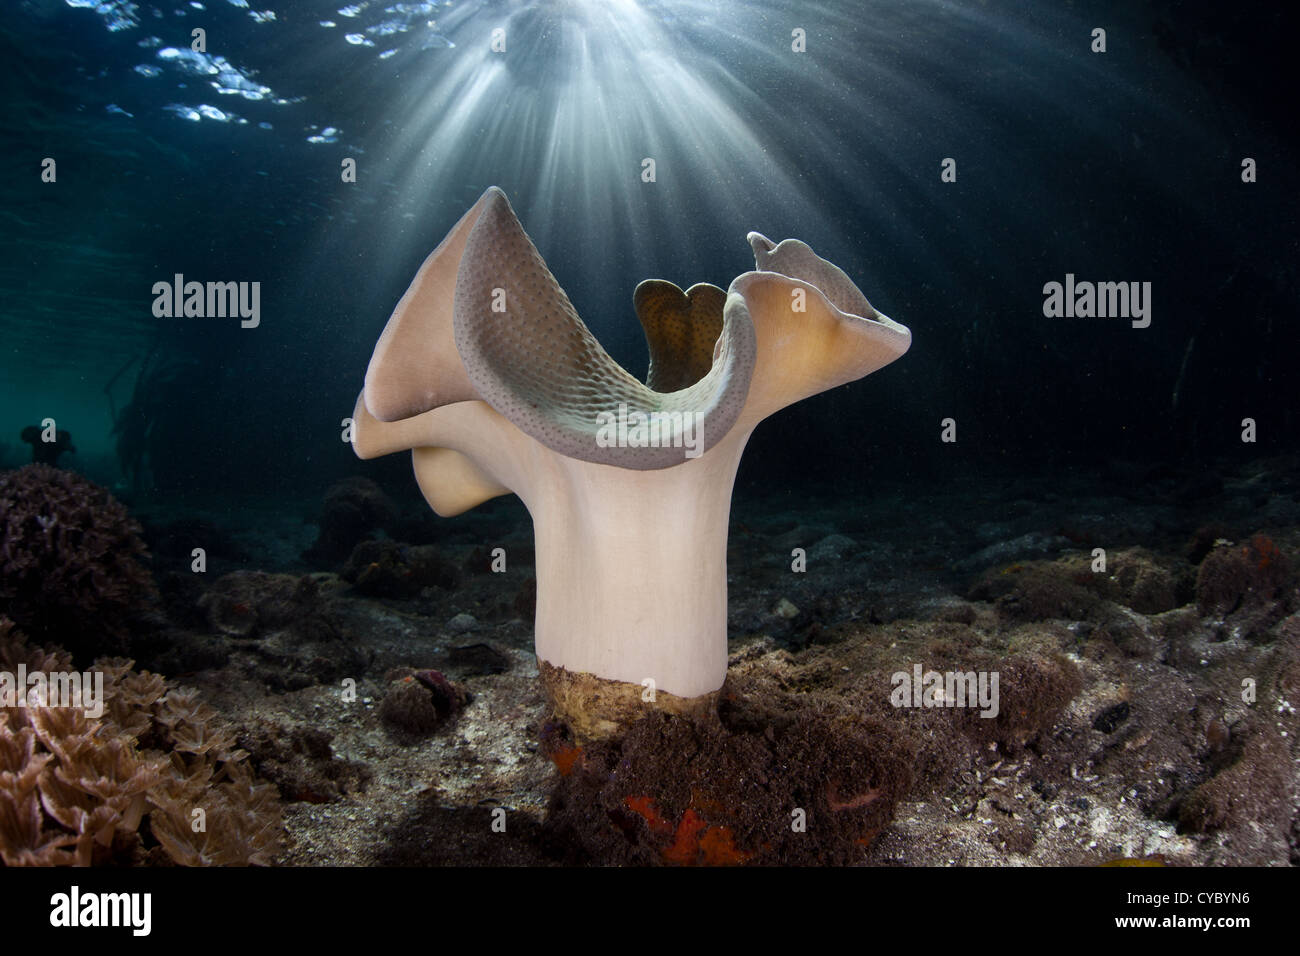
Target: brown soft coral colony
pixel 70 558
pixel 156 779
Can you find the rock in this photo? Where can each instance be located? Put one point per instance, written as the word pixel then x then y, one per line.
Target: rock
pixel 1233 575
pixel 1017 549
pixel 832 548
pixel 1144 585
pixel 1255 787
pixel 244 602
pixel 718 792
pixel 352 510
pixel 291 627
pixel 800 537
pixel 393 570
pixel 1040 591
pixel 418 702
pixel 1204 539
pixel 1245 586
pixel 478 659
pixel 178 651
pixel 462 623
pixel 301 762
pixel 948 608
pixel 992 531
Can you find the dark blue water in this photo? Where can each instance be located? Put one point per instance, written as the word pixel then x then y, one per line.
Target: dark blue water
pixel 225 165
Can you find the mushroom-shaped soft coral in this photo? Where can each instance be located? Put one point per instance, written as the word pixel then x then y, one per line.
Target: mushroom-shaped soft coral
pixel 628 484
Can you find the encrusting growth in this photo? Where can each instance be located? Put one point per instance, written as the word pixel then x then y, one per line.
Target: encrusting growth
pixel 487 374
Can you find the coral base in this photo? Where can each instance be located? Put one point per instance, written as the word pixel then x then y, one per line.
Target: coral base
pixel 595 708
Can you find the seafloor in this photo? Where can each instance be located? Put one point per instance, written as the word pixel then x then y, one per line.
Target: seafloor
pixel 1148 710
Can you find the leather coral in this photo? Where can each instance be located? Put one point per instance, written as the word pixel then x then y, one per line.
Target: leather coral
pixel 486 372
